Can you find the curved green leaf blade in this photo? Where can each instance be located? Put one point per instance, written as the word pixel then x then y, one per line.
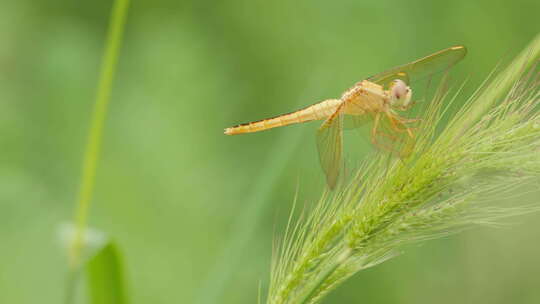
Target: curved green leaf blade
pixel 105 277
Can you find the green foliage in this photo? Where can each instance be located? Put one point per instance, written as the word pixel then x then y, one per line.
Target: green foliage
pixel 448 183
pixel 105 277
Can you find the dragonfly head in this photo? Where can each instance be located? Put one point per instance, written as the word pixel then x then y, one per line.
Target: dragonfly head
pixel 400 94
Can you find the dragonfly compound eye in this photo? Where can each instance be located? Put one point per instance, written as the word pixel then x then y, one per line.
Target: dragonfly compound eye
pixel 400 93
pixel 399 89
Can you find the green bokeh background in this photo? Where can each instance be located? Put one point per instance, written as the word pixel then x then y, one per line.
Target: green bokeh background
pixel 174 192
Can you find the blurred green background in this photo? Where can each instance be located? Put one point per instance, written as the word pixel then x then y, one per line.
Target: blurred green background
pixel 195 211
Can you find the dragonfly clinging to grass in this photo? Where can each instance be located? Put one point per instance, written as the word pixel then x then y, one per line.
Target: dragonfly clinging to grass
pixel 379 99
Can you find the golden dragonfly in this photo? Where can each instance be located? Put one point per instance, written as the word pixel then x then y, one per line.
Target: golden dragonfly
pixel 379 99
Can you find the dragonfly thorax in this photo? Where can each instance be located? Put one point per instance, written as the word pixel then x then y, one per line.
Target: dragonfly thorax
pixel 400 94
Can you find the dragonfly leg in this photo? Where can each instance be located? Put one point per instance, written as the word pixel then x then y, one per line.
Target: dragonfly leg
pixel 410 133
pixel 410 105
pixel 387 147
pixel 398 123
pixel 409 120
pixel 409 129
pixel 374 129
pixel 375 132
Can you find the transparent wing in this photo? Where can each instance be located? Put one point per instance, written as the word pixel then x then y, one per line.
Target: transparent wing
pixel 422 67
pixel 330 146
pixel 392 136
pixel 386 135
pixel 355 121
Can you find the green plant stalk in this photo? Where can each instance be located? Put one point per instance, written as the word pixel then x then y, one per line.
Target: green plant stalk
pixel 307 297
pixel 93 145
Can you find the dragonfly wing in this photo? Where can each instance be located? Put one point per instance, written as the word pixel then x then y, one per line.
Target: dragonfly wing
pixel 392 136
pixel 422 67
pixel 355 121
pixel 330 146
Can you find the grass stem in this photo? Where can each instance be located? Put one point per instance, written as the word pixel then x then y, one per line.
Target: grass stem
pixel 93 145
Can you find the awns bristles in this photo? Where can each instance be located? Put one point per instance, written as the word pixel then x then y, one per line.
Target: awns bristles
pixel 451 181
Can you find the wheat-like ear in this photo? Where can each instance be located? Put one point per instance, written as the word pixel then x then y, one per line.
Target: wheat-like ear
pixel 450 182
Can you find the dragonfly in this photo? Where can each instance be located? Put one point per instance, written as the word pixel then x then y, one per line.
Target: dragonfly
pixel 379 99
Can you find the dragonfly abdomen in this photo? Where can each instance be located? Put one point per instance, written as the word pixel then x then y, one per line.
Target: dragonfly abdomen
pixel 317 111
